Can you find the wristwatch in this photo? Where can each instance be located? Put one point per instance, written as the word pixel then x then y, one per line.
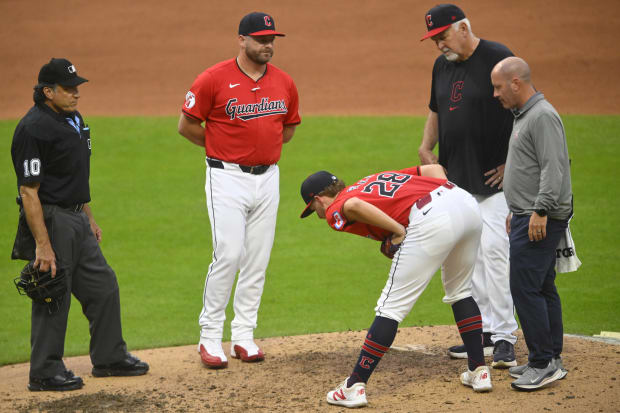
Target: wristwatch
pixel 541 212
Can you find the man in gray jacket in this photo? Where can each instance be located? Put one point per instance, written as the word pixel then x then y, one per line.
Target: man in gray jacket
pixel 538 191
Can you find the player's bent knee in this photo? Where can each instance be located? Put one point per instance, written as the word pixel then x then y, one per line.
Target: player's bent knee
pixel 391 314
pixel 456 297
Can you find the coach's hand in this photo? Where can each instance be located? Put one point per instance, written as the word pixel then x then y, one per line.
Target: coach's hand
pixel 537 230
pixel 508 219
pixel 496 177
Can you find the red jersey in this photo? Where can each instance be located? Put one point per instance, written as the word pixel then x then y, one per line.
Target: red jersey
pixel 393 192
pixel 243 118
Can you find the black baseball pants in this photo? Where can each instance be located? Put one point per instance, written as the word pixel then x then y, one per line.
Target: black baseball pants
pixel 92 282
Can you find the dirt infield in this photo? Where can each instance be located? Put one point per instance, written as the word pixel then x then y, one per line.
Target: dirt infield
pixel 347 57
pixel 298 372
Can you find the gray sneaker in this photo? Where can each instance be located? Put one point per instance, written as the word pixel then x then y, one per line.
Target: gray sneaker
pixel 560 366
pixel 533 378
pixel 517 371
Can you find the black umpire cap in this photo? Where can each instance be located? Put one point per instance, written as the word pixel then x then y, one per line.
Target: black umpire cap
pixel 60 72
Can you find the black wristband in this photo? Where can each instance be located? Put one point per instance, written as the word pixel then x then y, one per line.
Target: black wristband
pixel 541 212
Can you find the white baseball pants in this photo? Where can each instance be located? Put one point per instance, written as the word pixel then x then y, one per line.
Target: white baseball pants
pixel 242 211
pixel 491 281
pixel 444 233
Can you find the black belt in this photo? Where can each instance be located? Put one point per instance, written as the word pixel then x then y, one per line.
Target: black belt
pixel 73 208
pixel 254 170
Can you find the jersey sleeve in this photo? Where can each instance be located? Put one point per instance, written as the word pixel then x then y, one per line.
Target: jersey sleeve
pixel 504 52
pixel 199 98
pixel 334 216
pixel 28 157
pixel 414 170
pixel 432 105
pixel 497 52
pixel 292 116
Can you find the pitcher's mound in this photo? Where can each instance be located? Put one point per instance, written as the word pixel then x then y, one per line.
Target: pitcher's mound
pixel 416 376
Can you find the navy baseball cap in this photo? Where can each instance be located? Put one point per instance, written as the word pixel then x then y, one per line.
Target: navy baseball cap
pixel 61 72
pixel 314 185
pixel 258 24
pixel 440 18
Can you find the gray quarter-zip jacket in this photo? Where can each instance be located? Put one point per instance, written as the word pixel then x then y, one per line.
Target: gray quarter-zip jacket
pixel 537 173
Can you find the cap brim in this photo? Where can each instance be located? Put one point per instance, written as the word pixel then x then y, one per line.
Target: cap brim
pixel 435 31
pixel 266 33
pixel 76 81
pixel 307 210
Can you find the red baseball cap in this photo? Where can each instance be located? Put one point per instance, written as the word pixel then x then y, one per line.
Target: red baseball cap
pixel 258 24
pixel 440 18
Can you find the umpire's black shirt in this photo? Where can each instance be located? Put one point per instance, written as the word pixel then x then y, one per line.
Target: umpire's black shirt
pixel 474 128
pixel 53 149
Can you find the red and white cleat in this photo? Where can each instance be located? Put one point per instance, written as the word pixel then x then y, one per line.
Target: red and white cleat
pixel 212 354
pixel 246 350
pixel 479 379
pixel 354 396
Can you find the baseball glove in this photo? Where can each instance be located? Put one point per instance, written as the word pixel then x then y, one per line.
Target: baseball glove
pixel 41 287
pixel 388 248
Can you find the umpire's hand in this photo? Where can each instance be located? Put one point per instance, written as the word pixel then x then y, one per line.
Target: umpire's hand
pixel 45 258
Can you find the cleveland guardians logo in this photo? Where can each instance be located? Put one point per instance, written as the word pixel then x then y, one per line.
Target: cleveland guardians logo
pixel 267 21
pixel 457 87
pixel 255 110
pixel 365 362
pixel 190 100
pixel 338 221
pixel 429 22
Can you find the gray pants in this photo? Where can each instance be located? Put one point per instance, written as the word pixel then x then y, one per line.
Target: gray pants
pixel 93 282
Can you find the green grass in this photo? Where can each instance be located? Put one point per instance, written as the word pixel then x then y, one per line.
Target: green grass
pixel 147 186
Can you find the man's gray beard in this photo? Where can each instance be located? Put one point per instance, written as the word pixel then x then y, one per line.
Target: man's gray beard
pixel 452 57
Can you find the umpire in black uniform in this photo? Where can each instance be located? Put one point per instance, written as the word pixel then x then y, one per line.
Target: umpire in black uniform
pixel 51 155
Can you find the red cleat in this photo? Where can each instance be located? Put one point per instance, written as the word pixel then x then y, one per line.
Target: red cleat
pixel 211 361
pixel 247 352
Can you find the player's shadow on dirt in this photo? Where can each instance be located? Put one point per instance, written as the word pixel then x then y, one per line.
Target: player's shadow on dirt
pixel 431 362
pixel 96 403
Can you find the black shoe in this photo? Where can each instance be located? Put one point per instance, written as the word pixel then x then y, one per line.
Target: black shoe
pixel 460 352
pixel 504 355
pixel 61 382
pixel 129 366
pixel 486 340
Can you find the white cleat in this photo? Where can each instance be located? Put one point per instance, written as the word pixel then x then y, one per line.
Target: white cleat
pixel 212 354
pixel 246 350
pixel 479 379
pixel 354 396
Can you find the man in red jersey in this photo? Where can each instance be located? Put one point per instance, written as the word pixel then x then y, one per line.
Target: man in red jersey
pixel 430 222
pixel 249 108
